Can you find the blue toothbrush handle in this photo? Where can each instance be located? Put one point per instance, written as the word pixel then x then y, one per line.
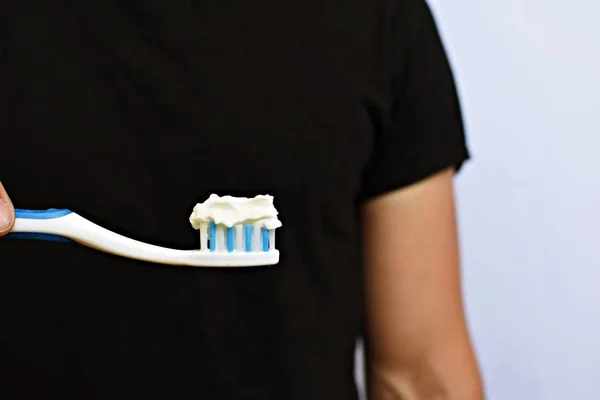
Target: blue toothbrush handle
pixel 46 215
pixel 50 213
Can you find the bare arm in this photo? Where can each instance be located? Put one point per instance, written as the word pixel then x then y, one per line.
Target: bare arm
pixel 418 347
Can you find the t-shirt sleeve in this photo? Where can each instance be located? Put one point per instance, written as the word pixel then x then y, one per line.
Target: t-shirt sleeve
pixel 423 133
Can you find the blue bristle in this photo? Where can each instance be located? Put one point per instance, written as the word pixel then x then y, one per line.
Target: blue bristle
pixel 230 240
pixel 248 236
pixel 212 232
pixel 265 239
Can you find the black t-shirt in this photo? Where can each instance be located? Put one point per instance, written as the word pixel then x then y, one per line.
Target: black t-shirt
pixel 129 113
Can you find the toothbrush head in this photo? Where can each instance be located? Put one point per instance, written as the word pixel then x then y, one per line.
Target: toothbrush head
pixel 238 228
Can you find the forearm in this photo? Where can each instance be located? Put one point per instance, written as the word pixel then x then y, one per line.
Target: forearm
pixel 453 376
pixel 432 360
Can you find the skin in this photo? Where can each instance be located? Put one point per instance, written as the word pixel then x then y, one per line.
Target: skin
pixel 7 212
pixel 418 346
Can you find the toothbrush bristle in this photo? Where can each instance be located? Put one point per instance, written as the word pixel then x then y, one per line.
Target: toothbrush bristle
pixel 240 238
pixel 265 239
pixel 272 239
pixel 230 239
pixel 212 236
pixel 248 237
pixel 256 245
pixel 221 238
pixel 204 237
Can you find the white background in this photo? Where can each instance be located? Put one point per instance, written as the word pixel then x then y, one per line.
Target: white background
pixel 529 201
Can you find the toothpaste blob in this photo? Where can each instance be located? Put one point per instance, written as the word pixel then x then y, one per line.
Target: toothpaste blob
pixel 230 211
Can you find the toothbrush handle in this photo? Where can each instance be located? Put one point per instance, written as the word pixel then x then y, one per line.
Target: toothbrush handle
pixel 39 225
pixel 67 226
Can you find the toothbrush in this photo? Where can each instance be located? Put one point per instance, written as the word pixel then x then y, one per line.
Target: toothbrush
pixel 241 245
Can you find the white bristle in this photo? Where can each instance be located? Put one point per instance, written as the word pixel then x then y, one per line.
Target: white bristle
pixel 221 238
pixel 256 237
pixel 203 236
pixel 239 237
pixel 272 239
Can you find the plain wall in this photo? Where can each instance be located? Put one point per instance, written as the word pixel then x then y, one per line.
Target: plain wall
pixel 529 201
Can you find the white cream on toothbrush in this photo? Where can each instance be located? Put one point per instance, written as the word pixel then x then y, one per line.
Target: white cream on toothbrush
pixel 230 211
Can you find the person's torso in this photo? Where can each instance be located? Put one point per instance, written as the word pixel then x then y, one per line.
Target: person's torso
pixel 130 114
